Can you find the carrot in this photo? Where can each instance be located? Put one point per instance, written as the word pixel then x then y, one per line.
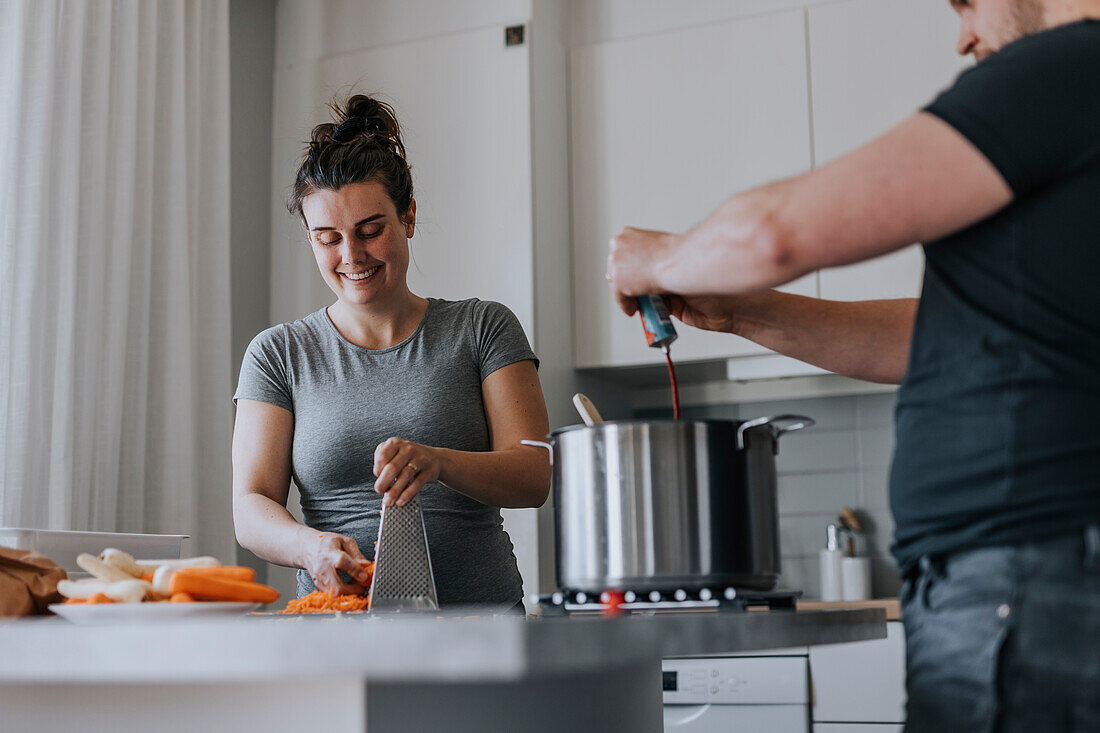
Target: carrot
pixel 100 598
pixel 75 601
pixel 221 589
pixel 147 577
pixel 230 572
pixel 321 602
pixel 368 567
pixel 182 598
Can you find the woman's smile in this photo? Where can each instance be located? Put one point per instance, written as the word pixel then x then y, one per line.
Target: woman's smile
pixel 360 277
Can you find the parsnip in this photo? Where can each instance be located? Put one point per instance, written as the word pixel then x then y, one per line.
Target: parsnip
pixel 162 579
pixel 121 591
pixel 205 561
pixel 100 569
pixel 124 561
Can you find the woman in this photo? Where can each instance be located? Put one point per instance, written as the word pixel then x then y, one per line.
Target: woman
pixel 384 394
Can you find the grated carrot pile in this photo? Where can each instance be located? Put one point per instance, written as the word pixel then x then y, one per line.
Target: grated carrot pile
pixel 322 602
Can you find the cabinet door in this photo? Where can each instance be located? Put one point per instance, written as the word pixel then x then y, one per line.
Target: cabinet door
pixel 463 101
pixel 664 128
pixel 861 682
pixel 872 64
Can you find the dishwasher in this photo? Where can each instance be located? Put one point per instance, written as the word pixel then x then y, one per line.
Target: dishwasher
pixel 760 691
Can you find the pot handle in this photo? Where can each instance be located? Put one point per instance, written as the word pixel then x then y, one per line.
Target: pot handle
pixel 547 446
pixel 779 424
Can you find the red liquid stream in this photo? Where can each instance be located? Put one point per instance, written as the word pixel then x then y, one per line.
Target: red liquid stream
pixel 675 389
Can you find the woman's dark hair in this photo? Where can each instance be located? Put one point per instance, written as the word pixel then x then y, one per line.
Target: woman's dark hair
pixel 362 144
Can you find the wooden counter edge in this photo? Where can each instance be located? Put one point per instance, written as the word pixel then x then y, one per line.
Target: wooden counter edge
pixel 891 605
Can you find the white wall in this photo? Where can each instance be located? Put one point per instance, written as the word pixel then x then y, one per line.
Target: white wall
pixel 593 21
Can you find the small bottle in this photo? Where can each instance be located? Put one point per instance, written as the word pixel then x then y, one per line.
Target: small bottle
pixel 659 331
pixel 830 561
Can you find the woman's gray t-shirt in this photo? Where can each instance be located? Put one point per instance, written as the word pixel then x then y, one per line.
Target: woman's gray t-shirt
pixel 426 389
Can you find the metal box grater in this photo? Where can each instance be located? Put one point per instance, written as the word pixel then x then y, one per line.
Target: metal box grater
pixel 402 566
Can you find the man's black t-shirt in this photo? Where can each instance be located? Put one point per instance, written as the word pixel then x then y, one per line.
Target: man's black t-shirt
pixel 998 419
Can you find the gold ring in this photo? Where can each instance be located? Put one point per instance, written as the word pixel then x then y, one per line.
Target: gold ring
pixel 414 468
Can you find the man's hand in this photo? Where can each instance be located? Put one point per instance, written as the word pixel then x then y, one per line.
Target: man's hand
pixel 708 312
pixel 635 261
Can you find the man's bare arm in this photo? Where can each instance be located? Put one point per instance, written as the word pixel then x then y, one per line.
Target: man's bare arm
pixel 864 339
pixel 920 181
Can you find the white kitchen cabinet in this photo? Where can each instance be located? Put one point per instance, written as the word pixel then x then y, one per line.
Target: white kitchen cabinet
pixel 664 128
pixel 866 76
pixel 862 682
pixel 464 104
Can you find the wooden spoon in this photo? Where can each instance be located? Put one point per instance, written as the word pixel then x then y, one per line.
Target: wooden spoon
pixel 588 411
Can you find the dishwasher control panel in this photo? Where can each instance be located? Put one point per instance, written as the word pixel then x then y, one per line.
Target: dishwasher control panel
pixel 736 680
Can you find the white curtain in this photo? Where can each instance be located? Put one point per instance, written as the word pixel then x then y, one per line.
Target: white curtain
pixel 115 373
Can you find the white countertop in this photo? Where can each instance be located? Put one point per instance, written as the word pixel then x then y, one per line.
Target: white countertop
pixel 452 647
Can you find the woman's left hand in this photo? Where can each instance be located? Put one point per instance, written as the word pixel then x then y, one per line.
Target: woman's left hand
pixel 402 468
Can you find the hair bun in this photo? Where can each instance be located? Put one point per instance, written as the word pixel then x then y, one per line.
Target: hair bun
pixel 349 129
pixel 362 143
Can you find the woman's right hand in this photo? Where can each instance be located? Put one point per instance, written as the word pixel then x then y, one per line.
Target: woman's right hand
pixel 323 553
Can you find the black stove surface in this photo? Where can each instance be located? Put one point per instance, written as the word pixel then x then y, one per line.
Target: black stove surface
pixel 647 602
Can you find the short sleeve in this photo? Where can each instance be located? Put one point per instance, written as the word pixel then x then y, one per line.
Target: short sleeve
pixel 1033 108
pixel 264 372
pixel 500 338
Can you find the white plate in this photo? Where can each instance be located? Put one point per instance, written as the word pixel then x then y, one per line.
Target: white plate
pixel 118 613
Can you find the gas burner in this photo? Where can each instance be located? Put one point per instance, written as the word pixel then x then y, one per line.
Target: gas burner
pixel 727 599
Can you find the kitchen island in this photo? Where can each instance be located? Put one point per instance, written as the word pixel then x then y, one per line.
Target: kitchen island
pixel 407 672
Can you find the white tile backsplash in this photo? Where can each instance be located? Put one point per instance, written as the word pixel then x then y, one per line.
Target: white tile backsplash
pixel 802 573
pixel 874 485
pixel 876 410
pixel 876 446
pixel 842 461
pixel 817 493
pixel 818 451
pixel 803 535
pixel 828 413
pixel 879 532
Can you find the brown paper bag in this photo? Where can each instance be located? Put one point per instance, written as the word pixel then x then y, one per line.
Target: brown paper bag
pixel 28 582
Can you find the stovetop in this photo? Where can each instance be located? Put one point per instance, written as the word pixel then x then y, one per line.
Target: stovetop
pixel 727 599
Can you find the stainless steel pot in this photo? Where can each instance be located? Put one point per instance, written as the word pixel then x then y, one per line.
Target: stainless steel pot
pixel 667 504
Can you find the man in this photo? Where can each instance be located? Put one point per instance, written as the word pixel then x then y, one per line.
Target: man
pixel 995 485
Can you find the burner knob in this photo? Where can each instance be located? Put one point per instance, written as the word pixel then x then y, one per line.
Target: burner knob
pixel 705 594
pixel 614 602
pixel 730 594
pixel 581 597
pixel 654 596
pixel 680 594
pixel 630 596
pixel 557 599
